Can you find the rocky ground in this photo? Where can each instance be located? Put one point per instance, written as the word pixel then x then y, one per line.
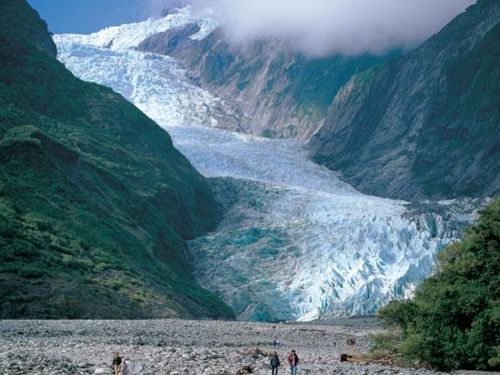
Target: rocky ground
pixel 181 347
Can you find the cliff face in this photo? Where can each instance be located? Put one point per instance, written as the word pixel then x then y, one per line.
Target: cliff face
pixel 280 93
pixel 427 123
pixel 95 202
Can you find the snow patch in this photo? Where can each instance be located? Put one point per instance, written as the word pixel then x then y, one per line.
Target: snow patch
pixel 131 35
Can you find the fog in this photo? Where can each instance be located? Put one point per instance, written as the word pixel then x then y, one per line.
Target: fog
pixel 318 27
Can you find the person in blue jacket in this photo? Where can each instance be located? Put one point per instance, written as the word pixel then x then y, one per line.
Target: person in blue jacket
pixel 275 363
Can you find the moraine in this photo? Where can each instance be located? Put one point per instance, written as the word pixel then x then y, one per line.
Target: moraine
pixel 296 243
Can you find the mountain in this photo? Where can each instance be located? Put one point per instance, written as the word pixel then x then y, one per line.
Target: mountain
pixel 425 124
pixel 95 202
pixel 294 242
pixel 279 92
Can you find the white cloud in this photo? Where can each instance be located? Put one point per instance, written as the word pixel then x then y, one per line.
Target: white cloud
pixel 318 27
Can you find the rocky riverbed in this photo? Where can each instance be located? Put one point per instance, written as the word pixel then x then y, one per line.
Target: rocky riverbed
pixel 181 347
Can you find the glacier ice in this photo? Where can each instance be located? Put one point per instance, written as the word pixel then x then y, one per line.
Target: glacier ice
pixel 141 77
pixel 129 36
pixel 296 242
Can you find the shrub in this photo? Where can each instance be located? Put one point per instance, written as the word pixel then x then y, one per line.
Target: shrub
pixel 454 320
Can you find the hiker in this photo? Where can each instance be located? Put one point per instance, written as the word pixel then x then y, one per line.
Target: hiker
pixel 117 361
pixel 276 343
pixel 275 363
pixel 293 361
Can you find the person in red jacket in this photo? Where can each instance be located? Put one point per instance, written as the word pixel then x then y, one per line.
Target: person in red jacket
pixel 293 361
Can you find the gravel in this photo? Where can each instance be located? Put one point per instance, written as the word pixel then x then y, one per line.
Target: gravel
pixel 179 347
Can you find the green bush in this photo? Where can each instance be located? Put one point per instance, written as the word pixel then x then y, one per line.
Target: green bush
pixel 454 319
pixel 385 343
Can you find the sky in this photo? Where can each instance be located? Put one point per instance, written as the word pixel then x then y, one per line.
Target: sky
pixel 314 27
pixel 86 16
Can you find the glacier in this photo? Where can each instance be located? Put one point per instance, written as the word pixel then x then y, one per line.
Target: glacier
pixel 296 242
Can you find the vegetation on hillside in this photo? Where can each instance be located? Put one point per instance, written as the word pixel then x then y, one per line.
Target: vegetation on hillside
pixel 454 319
pixel 95 202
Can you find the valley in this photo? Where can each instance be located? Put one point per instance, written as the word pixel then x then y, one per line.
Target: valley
pixel 187 189
pixel 295 241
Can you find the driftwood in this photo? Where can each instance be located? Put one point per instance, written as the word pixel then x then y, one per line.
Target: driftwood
pixel 387 360
pixel 349 358
pixel 384 361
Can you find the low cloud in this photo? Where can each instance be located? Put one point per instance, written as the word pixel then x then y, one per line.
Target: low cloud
pixel 318 27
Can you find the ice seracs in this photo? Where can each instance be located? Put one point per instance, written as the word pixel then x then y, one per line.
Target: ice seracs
pixel 296 242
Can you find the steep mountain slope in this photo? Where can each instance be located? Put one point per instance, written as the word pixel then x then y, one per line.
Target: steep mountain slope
pixel 95 202
pixel 281 93
pixel 425 124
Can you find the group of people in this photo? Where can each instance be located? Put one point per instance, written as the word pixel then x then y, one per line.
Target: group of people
pixel 293 361
pixel 120 368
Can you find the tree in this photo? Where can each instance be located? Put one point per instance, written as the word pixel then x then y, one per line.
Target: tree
pixel 454 319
